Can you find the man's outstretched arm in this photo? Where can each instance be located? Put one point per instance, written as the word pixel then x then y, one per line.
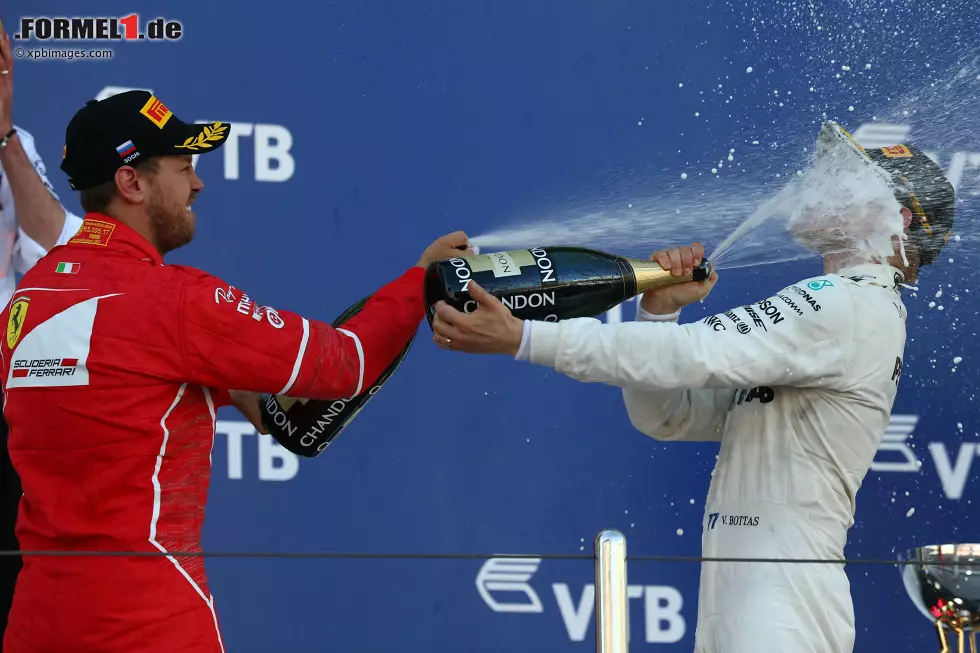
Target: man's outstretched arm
pixel 794 338
pixel 798 337
pixel 229 341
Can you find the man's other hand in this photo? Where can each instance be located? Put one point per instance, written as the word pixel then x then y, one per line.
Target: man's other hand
pixel 490 329
pixel 449 246
pixel 247 404
pixel 664 300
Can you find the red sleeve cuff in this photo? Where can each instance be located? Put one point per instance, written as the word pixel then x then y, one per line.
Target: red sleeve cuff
pixel 416 275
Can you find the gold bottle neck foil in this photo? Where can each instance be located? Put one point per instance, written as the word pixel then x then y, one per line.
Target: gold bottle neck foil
pixel 649 274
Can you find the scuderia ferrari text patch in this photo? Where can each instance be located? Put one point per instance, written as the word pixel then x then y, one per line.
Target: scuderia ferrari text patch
pixel 24 369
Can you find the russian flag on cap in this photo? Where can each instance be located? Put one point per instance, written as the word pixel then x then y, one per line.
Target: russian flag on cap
pixel 126 149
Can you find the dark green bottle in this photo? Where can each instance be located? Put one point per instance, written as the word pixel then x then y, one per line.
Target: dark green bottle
pixel 548 283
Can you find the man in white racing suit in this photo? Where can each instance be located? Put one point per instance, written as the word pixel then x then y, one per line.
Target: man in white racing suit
pixel 816 369
pixel 797 387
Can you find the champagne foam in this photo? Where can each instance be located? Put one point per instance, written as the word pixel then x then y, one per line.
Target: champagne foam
pixel 841 206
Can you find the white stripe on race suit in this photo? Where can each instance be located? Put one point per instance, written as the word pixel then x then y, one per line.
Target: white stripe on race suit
pixel 360 359
pixel 209 601
pixel 299 357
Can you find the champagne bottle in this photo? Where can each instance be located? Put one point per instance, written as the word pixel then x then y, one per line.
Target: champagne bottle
pixel 307 426
pixel 548 283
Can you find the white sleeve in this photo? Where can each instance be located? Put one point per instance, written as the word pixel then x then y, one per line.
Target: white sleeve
pixel 27 251
pixel 802 336
pixel 689 414
pixel 27 142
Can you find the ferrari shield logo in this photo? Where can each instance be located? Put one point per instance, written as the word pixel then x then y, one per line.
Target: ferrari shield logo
pixel 15 323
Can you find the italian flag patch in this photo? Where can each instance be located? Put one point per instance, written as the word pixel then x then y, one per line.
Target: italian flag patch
pixel 68 268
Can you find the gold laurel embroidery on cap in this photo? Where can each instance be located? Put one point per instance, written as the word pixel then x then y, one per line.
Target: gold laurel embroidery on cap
pixel 206 137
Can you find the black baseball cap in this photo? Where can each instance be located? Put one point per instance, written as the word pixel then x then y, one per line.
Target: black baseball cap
pixel 919 185
pixel 128 128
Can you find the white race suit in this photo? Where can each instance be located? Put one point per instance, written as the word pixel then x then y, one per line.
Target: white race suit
pixel 798 388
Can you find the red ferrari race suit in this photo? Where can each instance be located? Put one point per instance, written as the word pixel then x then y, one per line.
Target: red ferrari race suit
pixel 113 366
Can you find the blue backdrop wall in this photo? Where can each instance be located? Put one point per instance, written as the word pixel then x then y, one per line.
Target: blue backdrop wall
pixel 361 131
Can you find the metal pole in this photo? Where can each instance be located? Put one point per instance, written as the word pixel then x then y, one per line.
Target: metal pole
pixel 611 607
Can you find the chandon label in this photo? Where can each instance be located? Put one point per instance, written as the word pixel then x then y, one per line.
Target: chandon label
pixel 504 265
pixel 534 300
pixel 334 410
pixel 545 266
pixel 547 270
pixel 463 273
pixel 279 418
pixel 519 302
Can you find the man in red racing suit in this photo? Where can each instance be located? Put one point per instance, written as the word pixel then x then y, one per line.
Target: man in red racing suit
pixel 113 366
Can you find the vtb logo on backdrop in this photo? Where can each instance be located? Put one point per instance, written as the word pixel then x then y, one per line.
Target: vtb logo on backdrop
pixel 271 157
pixel 266 460
pixel 895 454
pixel 504 585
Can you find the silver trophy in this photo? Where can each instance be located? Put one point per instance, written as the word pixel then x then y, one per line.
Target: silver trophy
pixel 943 581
